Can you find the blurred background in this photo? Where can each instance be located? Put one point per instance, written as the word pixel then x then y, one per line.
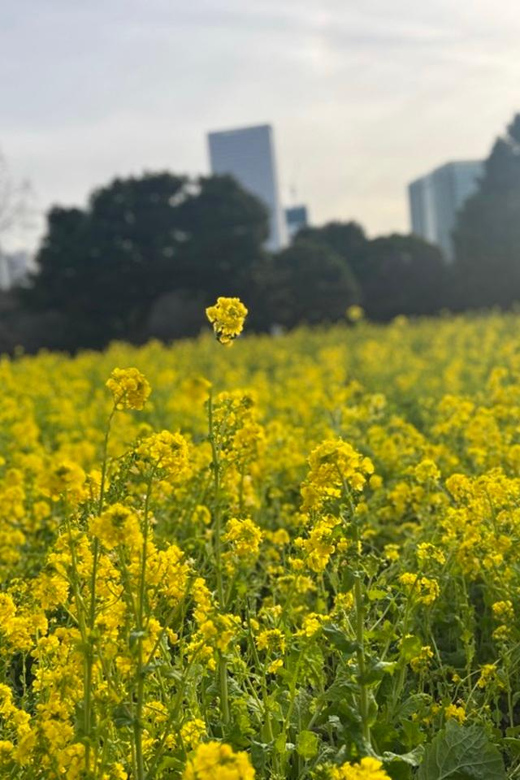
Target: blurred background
pixel 305 156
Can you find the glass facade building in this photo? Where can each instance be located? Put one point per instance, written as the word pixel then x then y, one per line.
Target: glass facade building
pixel 436 198
pixel 248 155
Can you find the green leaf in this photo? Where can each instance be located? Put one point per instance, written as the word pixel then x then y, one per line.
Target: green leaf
pixel 412 734
pixel 410 647
pixel 348 579
pixel 374 594
pixel 413 758
pixel 339 640
pixel 462 753
pixel 122 716
pixel 134 637
pixel 307 744
pixel 412 704
pixel 513 745
pixel 170 762
pixel 377 670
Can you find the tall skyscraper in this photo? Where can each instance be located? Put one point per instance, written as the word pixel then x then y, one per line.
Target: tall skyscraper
pixel 436 198
pixel 248 155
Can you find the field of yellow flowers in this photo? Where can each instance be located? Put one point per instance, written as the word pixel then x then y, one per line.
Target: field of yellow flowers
pixel 292 557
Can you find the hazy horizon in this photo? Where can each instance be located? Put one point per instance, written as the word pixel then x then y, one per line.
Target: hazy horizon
pixel 363 96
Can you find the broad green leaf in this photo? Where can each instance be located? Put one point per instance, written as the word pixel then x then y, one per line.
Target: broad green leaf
pixel 462 753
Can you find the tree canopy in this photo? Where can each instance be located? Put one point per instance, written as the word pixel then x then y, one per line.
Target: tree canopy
pixel 308 283
pixel 103 267
pixel 403 275
pixel 397 274
pixel 487 232
pixel 148 254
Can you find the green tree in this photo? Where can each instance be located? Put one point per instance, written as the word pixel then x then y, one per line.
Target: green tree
pixel 308 283
pixel 139 238
pixel 397 274
pixel 487 232
pixel 346 239
pixel 403 275
pixel 224 229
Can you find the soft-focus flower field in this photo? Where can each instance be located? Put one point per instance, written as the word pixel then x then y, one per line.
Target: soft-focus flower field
pixel 298 557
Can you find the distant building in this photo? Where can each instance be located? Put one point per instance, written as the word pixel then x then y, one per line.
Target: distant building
pixel 295 219
pixel 14 268
pixel 248 155
pixel 436 198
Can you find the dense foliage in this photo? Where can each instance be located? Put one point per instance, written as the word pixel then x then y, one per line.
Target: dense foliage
pixel 104 267
pixel 147 255
pixel 487 234
pixel 284 558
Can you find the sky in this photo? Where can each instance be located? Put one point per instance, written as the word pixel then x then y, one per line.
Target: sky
pixel 364 95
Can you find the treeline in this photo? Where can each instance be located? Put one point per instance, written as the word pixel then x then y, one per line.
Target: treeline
pixel 147 254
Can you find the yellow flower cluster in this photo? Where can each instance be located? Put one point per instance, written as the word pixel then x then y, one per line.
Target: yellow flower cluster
pixel 215 761
pixel 228 582
pixel 245 537
pixel 320 544
pixel 421 660
pixel 165 451
pixel 424 589
pixel 129 388
pixel 227 317
pixel 452 712
pixel 335 467
pixel 118 525
pixel 367 769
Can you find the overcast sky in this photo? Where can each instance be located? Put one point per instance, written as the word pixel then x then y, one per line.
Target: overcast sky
pixel 364 95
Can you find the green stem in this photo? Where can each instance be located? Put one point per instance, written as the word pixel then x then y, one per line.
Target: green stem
pixel 360 624
pixel 360 639
pixel 216 480
pixel 171 718
pixel 287 720
pixel 89 659
pixel 403 670
pixel 262 680
pixel 223 681
pixel 138 719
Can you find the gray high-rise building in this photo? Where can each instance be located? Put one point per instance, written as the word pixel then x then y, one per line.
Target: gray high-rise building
pixel 436 198
pixel 248 155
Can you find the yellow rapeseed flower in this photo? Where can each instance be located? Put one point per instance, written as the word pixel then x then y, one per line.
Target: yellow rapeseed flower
pixel 452 712
pixel 168 452
pixel 367 769
pixel 129 388
pixel 245 537
pixel 227 317
pixel 217 761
